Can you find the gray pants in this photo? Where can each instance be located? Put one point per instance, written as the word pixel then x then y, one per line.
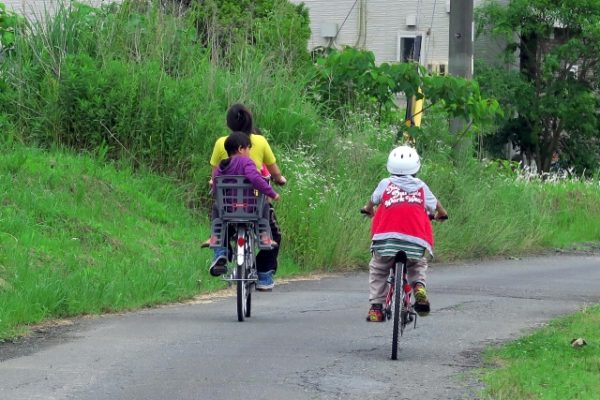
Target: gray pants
pixel 379 270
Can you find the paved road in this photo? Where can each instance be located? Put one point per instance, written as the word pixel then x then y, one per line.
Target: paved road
pixel 306 340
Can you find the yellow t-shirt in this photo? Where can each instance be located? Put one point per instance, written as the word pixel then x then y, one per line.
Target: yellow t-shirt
pixel 260 152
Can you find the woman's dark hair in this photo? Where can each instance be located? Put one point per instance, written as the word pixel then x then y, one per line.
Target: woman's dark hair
pixel 234 141
pixel 239 119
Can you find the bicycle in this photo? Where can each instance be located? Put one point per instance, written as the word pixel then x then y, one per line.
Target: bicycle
pixel 399 300
pixel 239 224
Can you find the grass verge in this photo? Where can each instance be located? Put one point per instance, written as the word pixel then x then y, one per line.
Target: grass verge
pixel 545 366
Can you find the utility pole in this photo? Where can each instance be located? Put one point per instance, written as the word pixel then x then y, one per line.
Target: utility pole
pixel 460 55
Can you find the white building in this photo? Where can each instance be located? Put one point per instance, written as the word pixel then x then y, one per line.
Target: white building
pixel 37 8
pixel 388 28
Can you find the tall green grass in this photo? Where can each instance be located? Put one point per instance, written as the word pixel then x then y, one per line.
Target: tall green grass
pixel 80 237
pixel 492 211
pixel 135 80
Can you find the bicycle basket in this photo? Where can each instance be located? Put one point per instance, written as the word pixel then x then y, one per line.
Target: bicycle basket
pixel 237 199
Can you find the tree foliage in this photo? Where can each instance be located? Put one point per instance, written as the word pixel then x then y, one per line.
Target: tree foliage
pixel 9 22
pixel 351 77
pixel 275 27
pixel 555 90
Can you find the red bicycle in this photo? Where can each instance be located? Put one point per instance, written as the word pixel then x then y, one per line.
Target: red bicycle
pixel 399 301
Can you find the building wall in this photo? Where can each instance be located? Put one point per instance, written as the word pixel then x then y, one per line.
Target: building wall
pixel 29 8
pixel 385 20
pixel 35 9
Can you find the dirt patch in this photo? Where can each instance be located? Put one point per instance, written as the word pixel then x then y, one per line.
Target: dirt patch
pixel 37 338
pixel 230 291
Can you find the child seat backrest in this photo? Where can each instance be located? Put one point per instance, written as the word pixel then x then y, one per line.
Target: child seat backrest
pixel 237 199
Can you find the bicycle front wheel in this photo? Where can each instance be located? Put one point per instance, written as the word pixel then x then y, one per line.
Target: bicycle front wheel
pixel 241 275
pixel 398 305
pixel 242 293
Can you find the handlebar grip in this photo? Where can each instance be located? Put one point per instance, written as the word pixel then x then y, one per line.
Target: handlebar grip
pixel 440 218
pixel 365 212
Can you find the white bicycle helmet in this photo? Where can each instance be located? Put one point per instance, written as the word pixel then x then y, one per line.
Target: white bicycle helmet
pixel 403 160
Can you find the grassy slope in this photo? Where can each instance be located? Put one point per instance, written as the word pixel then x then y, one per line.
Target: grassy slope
pixel 77 237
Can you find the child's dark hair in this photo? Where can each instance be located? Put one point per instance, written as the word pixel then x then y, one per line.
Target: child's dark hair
pixel 239 119
pixel 234 141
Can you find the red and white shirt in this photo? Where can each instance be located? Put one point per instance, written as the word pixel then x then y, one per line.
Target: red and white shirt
pixel 404 202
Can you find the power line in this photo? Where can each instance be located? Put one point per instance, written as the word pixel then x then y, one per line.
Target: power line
pixel 345 19
pixel 429 33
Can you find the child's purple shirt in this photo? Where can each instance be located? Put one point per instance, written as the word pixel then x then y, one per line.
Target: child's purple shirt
pixel 240 165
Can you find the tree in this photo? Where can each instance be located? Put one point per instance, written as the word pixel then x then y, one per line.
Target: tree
pixel 555 90
pixel 351 78
pixel 8 22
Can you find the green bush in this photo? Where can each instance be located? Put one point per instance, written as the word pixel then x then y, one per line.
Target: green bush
pixel 277 29
pixel 132 79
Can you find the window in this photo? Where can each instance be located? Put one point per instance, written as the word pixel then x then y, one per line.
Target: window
pixel 409 46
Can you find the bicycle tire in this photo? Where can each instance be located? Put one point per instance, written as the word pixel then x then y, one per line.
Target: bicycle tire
pixel 398 305
pixel 248 271
pixel 241 292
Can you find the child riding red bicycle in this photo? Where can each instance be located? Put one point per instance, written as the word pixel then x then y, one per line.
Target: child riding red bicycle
pixel 400 207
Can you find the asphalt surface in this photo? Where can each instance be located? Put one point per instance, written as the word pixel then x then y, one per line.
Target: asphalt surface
pixel 305 340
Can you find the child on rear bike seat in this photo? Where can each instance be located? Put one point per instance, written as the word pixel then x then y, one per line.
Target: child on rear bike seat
pixel 401 222
pixel 238 146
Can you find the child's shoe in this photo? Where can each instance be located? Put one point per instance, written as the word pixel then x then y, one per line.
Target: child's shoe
pixel 422 306
pixel 376 313
pixel 265 281
pixel 219 266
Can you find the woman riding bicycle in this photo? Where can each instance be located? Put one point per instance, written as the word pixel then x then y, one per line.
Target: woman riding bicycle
pixel 237 146
pixel 401 222
pixel 239 118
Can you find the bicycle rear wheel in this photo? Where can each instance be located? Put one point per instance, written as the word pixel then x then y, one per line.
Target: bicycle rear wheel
pixel 398 306
pixel 244 273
